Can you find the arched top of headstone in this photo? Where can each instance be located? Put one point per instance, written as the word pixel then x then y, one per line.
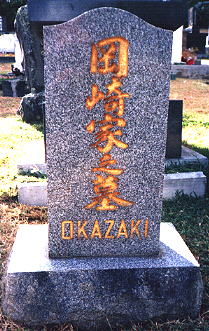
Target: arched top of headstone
pixel 105 22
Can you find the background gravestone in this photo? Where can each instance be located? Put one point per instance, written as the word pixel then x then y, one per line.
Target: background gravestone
pixel 70 155
pixel 30 38
pixel 174 129
pixel 31 41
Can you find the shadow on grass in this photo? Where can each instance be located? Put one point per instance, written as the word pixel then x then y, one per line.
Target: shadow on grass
pixel 190 216
pixel 205 152
pixel 39 126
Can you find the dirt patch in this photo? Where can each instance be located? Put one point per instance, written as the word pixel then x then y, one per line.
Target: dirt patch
pixel 7 54
pixel 13 214
pixel 194 94
pixel 5 68
pixel 9 106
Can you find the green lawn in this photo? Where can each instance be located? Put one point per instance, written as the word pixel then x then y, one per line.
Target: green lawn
pixel 196 131
pixel 14 136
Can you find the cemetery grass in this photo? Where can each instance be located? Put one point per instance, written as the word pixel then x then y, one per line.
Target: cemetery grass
pixel 15 135
pixel 194 94
pixel 190 215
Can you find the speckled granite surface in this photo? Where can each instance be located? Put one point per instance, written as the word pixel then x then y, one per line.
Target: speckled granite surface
pixel 92 292
pixel 70 155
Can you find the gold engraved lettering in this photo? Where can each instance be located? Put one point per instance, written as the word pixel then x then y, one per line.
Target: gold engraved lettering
pixel 107 233
pixel 64 223
pixel 90 127
pixel 96 96
pixel 106 186
pixel 112 102
pixel 96 231
pixel 122 231
pixel 111 119
pixel 81 230
pixel 110 56
pixel 113 99
pixel 103 202
pixel 125 229
pixel 105 135
pixel 146 228
pixel 107 119
pixel 106 161
pixel 134 228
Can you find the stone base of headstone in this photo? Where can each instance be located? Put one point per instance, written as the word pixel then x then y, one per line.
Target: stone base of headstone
pixel 188 156
pixel 190 183
pixel 32 194
pixel 100 292
pixel 193 72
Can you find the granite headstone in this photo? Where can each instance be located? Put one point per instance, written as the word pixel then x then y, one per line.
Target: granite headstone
pixel 107 78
